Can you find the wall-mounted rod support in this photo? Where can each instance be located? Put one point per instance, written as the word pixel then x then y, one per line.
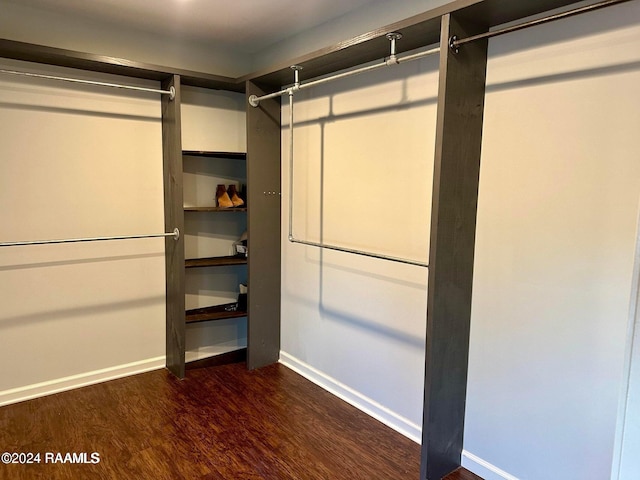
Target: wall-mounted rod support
pixel 392 37
pixel 296 75
pixel 171 92
pixel 393 59
pixel 455 43
pixel 175 234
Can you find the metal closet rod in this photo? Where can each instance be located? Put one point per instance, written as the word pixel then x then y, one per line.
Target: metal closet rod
pixel 175 234
pixel 254 100
pixel 327 246
pixel 455 43
pixel 171 92
pixel 359 252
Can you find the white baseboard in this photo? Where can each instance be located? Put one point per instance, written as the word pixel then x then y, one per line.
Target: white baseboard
pixel 58 385
pixel 483 468
pixel 361 402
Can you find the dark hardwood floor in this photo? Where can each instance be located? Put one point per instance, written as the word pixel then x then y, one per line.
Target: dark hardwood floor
pixel 462 474
pixel 220 423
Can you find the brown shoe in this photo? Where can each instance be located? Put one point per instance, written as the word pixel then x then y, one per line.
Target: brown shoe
pixel 222 197
pixel 235 198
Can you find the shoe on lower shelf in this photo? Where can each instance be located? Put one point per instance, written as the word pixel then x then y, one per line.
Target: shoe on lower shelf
pixel 234 196
pixel 222 198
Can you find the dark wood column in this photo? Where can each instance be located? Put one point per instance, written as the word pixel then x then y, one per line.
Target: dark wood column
pixel 173 218
pixel 453 226
pixel 263 180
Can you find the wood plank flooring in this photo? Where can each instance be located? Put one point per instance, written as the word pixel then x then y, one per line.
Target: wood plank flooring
pixel 219 423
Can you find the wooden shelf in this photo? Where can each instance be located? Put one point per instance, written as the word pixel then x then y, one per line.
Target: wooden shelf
pixel 215 209
pixel 215 312
pixel 234 356
pixel 208 154
pixel 216 261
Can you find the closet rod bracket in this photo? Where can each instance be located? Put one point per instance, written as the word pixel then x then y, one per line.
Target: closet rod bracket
pixel 392 37
pixel 296 75
pixel 455 48
pixel 296 79
pixel 253 100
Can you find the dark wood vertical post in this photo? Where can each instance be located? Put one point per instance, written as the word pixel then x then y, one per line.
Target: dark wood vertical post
pixel 173 218
pixel 263 179
pixel 453 226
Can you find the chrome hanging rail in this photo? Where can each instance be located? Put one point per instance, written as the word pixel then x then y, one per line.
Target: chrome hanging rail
pixel 175 234
pixel 393 59
pixel 392 37
pixel 171 92
pixel 292 239
pixel 455 43
pixel 359 252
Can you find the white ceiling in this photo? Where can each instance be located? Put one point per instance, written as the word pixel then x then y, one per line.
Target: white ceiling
pixel 247 25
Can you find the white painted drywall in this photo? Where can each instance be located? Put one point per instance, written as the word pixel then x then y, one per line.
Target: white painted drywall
pixel 213 120
pixel 559 189
pixel 626 461
pixel 78 161
pixel 363 175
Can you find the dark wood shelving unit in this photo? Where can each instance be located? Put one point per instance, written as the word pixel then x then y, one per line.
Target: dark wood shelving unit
pixel 215 209
pixel 215 261
pixel 223 311
pixel 208 154
pixel 214 312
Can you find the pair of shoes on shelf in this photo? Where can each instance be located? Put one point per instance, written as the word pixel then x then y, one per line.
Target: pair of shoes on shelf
pixel 228 198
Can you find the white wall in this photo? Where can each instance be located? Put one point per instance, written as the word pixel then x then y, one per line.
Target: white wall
pixel 626 462
pixel 78 162
pixel 559 190
pixel 363 169
pixel 560 183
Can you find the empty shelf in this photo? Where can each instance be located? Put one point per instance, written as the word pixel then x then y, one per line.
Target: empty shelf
pixel 209 154
pixel 215 261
